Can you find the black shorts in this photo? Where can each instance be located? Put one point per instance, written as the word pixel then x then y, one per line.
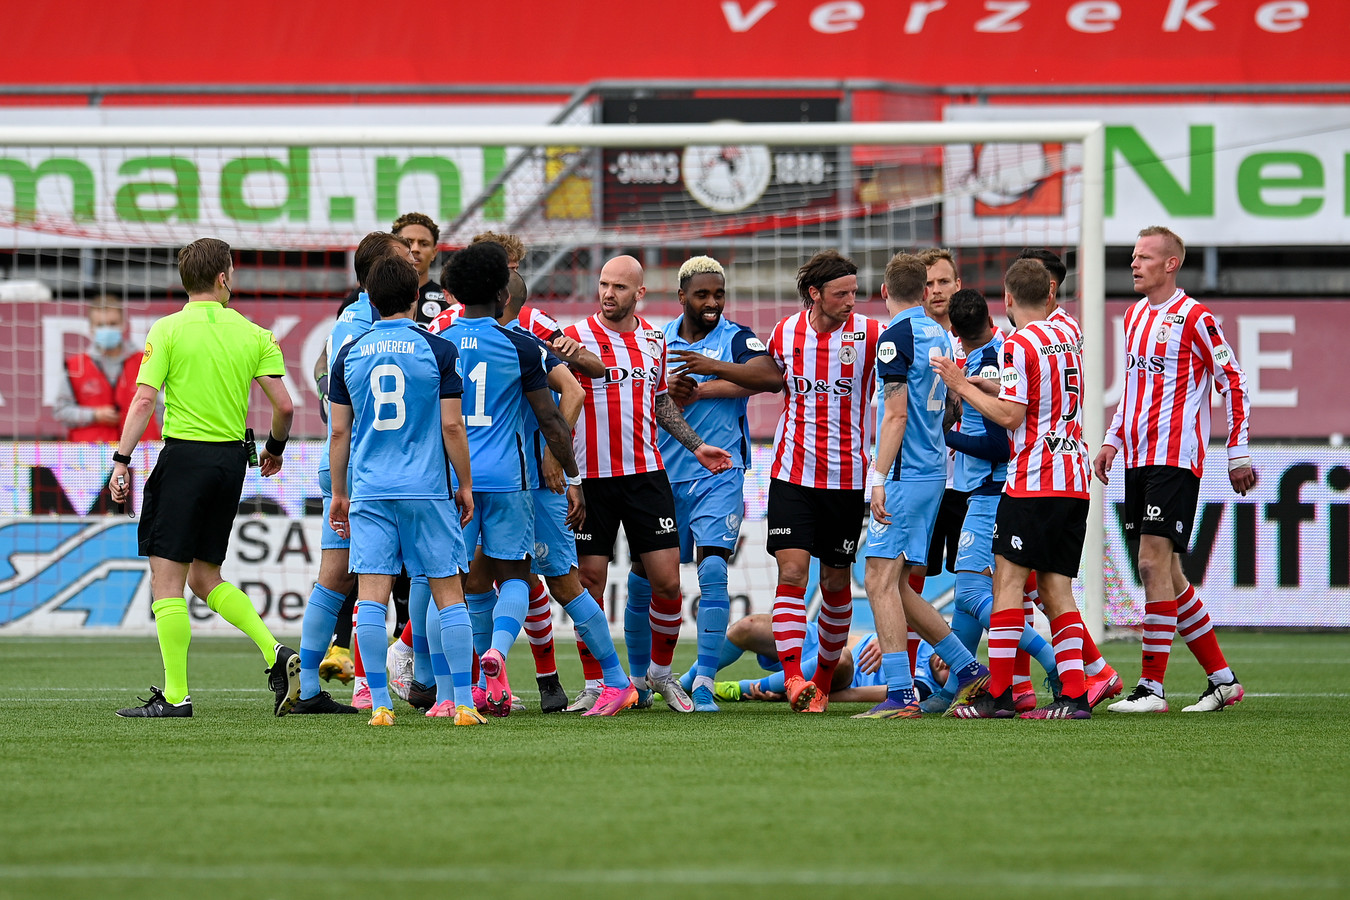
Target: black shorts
pixel 1161 500
pixel 947 530
pixel 644 505
pixel 827 522
pixel 1045 534
pixel 191 499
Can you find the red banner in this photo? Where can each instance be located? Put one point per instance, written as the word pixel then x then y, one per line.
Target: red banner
pixel 1282 344
pixel 541 42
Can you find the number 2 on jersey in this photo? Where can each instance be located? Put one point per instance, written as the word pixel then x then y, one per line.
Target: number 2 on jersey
pixel 934 401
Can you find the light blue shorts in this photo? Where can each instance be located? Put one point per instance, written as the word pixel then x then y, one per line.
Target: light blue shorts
pixel 708 511
pixel 422 536
pixel 503 523
pixel 975 549
pixel 328 538
pixel 913 506
pixel 555 545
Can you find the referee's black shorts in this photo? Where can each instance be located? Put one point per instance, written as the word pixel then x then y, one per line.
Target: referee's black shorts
pixel 191 499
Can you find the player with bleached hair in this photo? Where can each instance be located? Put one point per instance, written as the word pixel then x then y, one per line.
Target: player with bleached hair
pixel 718 365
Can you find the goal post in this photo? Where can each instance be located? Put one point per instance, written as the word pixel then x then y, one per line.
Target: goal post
pixel 574 192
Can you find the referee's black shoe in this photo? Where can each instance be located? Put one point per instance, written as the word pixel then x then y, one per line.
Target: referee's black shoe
pixel 284 679
pixel 321 703
pixel 158 708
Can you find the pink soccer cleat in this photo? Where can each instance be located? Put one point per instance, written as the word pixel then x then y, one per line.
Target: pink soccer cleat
pixel 612 700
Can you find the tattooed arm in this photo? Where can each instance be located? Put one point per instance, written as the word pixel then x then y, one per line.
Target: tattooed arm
pixel 668 416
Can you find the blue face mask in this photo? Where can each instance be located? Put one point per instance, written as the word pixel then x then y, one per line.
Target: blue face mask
pixel 106 339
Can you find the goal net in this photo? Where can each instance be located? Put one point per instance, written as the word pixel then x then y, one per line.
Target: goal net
pixel 93 213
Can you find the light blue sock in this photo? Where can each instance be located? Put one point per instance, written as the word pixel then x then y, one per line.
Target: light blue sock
pixel 974 602
pixel 481 608
pixel 316 631
pixel 373 640
pixel 967 629
pixel 961 660
pixel 419 600
pixel 714 609
pixel 589 621
pixel 637 625
pixel 729 654
pixel 513 605
pixel 899 677
pixel 775 683
pixel 457 639
pixel 440 666
pixel 1032 642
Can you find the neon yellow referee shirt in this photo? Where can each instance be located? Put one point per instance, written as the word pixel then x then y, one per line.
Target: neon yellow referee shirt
pixel 205 357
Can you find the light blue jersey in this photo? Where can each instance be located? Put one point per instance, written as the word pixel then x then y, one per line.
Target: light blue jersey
pixel 975 472
pixel 394 377
pixel 535 443
pixel 903 352
pixel 499 367
pixel 351 323
pixel 722 422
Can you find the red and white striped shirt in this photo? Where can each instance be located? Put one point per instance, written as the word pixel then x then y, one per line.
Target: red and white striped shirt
pixel 1173 353
pixel 825 433
pixel 616 433
pixel 1043 369
pixel 538 323
pixel 448 317
pixel 1062 318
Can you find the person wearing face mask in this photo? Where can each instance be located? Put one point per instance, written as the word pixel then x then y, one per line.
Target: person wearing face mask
pixel 93 399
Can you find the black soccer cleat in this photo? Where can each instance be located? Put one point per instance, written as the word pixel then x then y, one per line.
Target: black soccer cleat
pixel 421 696
pixel 320 704
pixel 158 708
pixel 283 679
pixel 552 697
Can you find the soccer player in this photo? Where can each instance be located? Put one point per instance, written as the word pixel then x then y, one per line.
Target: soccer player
pixel 909 474
pixel 827 354
pixel 396 415
pixel 504 369
pixel 1175 353
pixel 206 357
pixel 720 365
pixel 624 477
pixel 1102 680
pixel 327 599
pixel 1042 517
pixel 981 469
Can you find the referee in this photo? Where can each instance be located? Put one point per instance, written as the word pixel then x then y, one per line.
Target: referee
pixel 205 357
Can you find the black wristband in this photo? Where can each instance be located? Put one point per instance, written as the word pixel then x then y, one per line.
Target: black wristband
pixel 119 458
pixel 274 446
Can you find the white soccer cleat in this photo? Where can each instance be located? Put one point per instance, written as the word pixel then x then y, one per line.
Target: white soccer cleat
pixel 584 701
pixel 668 686
pixel 1141 700
pixel 1217 697
pixel 399 663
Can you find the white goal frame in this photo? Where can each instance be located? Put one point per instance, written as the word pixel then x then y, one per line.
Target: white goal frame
pixel 1091 246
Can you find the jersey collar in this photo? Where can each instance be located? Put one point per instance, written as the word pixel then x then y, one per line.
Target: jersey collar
pixel 675 338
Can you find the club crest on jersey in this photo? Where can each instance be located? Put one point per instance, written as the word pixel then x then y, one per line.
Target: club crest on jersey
pixel 886 351
pixel 755 344
pixel 847 355
pixel 712 352
pixel 1163 334
pixel 431 308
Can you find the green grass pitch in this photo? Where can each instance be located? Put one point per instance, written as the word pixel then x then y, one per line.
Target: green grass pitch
pixel 754 802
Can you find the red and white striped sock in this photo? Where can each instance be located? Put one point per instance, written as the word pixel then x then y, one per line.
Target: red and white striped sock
pixel 1196 629
pixel 912 639
pixel 836 614
pixel 1093 664
pixel 405 636
pixel 590 666
pixel 789 627
pixel 665 615
pixel 1160 626
pixel 1005 630
pixel 539 631
pixel 1066 634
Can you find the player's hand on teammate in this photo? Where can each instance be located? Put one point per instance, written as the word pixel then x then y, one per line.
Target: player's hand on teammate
pixel 869 660
pixel 1101 466
pixel 879 505
pixel 464 500
pixel 337 516
pixel 555 479
pixel 576 507
pixel 951 374
pixel 682 389
pixel 714 459
pixel 268 464
pixel 565 346
pixel 692 362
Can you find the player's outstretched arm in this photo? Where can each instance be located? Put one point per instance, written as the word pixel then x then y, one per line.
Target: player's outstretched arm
pixel 757 375
pixel 894 418
pixel 669 417
pixel 1004 413
pixel 456 441
pixel 571 351
pixel 339 455
pixel 1101 466
pixel 283 414
pixel 138 416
